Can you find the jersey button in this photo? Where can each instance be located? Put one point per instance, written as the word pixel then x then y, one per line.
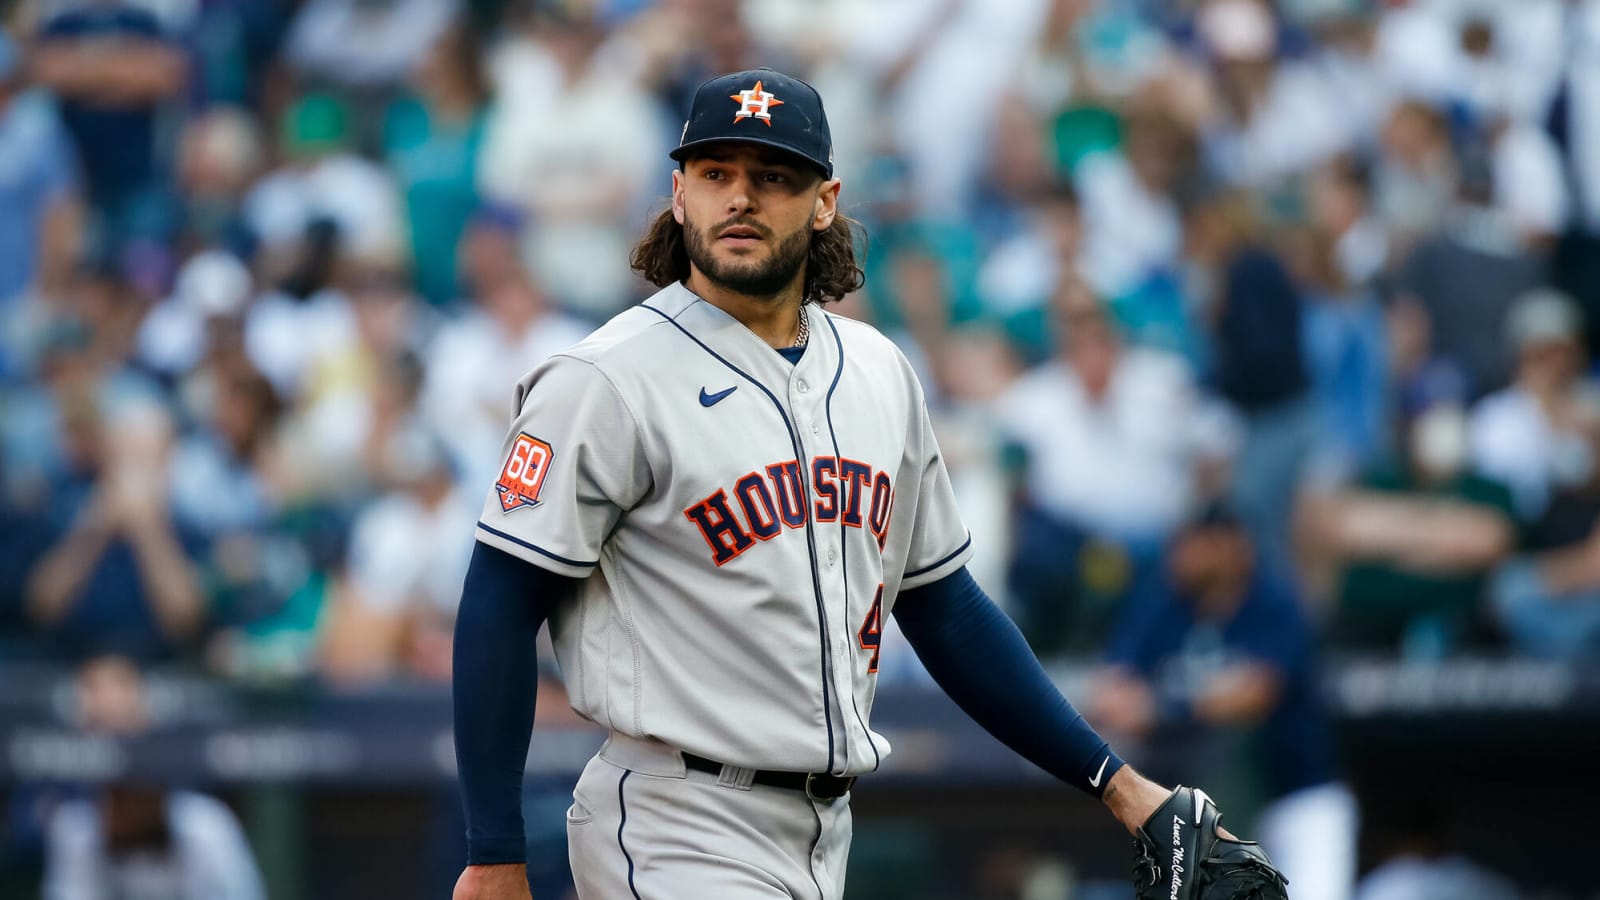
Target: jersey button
pixel 803 387
pixel 815 428
pixel 832 557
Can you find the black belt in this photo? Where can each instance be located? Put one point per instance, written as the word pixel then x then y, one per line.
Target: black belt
pixel 816 785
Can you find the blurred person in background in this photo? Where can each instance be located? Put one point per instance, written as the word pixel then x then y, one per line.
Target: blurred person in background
pixel 1216 646
pixel 570 143
pixel 508 324
pixel 432 139
pixel 1257 364
pixel 1548 602
pixel 1111 439
pixel 220 472
pixel 179 333
pixel 1345 333
pixel 1408 549
pixel 1017 169
pixel 936 258
pixel 308 317
pixel 322 182
pixel 117 76
pixel 39 209
pixel 135 839
pixel 119 574
pixel 362 51
pixel 1019 274
pixel 677 45
pixel 1414 173
pixel 1270 116
pixel 1529 185
pixel 1540 435
pixel 1341 207
pixel 1420 857
pixel 333 415
pixel 945 71
pixel 1456 287
pixel 1132 225
pixel 220 154
pixel 402 579
pixel 77 357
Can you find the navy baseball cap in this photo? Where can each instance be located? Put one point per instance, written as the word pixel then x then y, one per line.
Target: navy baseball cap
pixel 759 106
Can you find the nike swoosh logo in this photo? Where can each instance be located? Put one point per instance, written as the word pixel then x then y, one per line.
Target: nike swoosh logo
pixel 713 399
pixel 1095 781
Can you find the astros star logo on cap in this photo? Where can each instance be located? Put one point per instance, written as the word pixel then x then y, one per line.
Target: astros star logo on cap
pixel 757 103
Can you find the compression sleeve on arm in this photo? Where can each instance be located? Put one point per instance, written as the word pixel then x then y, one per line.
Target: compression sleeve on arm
pixel 979 658
pixel 504 602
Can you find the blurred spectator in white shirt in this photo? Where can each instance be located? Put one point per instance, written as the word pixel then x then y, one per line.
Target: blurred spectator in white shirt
pixel 408 553
pixel 323 180
pixel 1414 178
pixel 476 360
pixel 1112 434
pixel 1530 186
pixel 944 67
pixel 576 144
pixel 336 413
pixel 1112 445
pixel 141 841
pixel 1540 435
pixel 174 336
pixel 1273 117
pixel 1132 225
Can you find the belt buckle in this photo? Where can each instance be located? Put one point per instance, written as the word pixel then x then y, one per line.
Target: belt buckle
pixel 811 793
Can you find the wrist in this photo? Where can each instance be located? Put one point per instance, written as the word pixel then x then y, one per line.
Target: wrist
pixel 1132 798
pixel 497 851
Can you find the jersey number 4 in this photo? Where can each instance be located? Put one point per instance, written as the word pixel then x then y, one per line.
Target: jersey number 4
pixel 871 633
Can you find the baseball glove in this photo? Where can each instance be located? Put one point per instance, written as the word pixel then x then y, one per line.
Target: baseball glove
pixel 1178 855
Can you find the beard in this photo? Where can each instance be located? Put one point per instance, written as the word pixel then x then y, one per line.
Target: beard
pixel 758 277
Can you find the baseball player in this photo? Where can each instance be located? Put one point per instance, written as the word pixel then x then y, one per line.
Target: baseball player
pixel 715 500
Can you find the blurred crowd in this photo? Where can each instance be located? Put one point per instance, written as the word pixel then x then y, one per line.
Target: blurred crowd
pixel 1254 330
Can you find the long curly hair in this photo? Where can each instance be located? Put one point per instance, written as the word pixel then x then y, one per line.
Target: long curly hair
pixel 832 271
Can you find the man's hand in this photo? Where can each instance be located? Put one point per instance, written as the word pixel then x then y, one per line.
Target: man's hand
pixel 501 882
pixel 1133 798
pixel 1181 853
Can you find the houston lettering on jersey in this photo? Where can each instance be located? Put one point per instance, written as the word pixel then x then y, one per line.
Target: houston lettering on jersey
pixel 762 504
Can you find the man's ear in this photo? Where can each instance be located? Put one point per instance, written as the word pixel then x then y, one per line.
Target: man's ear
pixel 827 205
pixel 677 195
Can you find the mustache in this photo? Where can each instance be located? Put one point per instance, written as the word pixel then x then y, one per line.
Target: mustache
pixel 742 222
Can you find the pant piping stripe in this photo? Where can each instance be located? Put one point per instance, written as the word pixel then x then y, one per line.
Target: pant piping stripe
pixel 623 803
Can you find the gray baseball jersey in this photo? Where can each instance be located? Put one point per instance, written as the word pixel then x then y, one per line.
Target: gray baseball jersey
pixel 742 526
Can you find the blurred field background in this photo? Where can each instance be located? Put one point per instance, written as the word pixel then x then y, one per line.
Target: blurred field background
pixel 1258 336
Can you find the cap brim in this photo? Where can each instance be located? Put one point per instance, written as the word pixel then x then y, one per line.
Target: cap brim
pixel 684 151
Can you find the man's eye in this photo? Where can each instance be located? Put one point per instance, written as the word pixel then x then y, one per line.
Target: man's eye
pixel 776 178
pixel 713 175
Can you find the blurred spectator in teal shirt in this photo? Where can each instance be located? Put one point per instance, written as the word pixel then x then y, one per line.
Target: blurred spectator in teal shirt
pixel 431 139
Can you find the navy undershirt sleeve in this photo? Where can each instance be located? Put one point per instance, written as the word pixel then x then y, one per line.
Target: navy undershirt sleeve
pixel 977 655
pixel 504 602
